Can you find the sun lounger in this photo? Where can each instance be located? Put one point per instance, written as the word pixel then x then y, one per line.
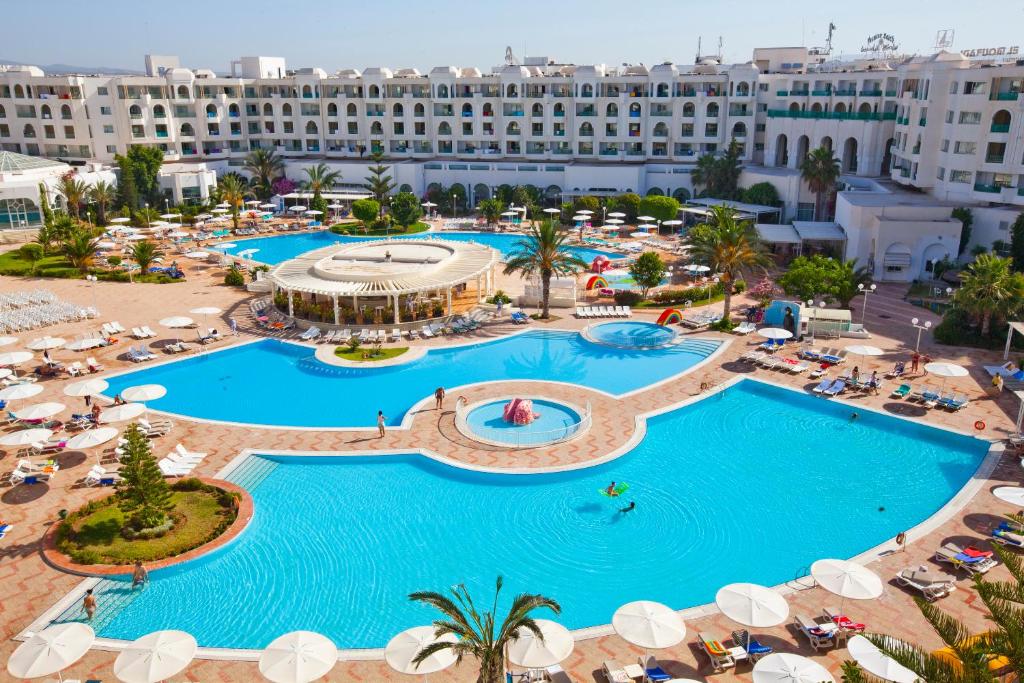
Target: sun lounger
pixel 148 332
pixel 820 636
pixel 117 326
pixel 108 331
pixel 716 652
pixel 744 328
pixel 396 334
pixel 652 670
pixel 1007 369
pixel 931 585
pixel 426 332
pixel 954 402
pixel 844 622
pixel 754 649
pixel 1005 535
pixel 172 469
pixel 4 528
pixel 185 454
pixel 155 428
pixel 954 555
pixel 615 672
pixel 627 311
pixel 310 334
pixel 138 333
pixel 100 476
pixel 580 313
pixel 837 387
pixel 901 391
pixel 823 386
pixel 413 334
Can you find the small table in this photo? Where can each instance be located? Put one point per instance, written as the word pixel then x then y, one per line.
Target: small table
pixel 634 671
pixel 738 654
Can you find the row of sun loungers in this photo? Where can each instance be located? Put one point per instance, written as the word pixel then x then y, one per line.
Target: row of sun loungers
pixel 143 332
pixel 829 355
pixel 830 387
pixel 930 398
pixel 772 362
pixel 603 312
pixel 139 354
pixel 698 321
pixel 180 462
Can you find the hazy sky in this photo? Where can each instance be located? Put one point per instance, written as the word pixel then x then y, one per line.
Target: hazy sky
pixel 410 33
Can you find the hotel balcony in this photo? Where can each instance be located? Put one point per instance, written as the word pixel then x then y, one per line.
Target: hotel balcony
pixel 1000 128
pixel 1005 96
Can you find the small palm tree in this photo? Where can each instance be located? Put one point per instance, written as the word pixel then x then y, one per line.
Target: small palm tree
pixel 729 247
pixel 265 167
pixel 144 253
pixel 80 249
pixel 74 192
pixel 320 178
pixel 479 635
pixel 543 253
pixel 990 290
pixel 490 209
pixel 820 170
pixel 233 190
pixel 102 194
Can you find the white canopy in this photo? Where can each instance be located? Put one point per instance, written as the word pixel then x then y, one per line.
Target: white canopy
pixel 92 438
pixel 84 344
pixel 86 387
pixel 403 648
pixel 39 411
pixel 44 343
pixel 177 321
pixel 774 333
pixel 848 579
pixel 24 437
pixel 7 341
pixel 17 391
pixel 864 350
pixel 782 667
pixel 298 657
pixel 616 214
pixel 946 370
pixel 144 392
pixel 1013 495
pixel 15 357
pixel 752 605
pixel 122 413
pixel 537 653
pixel 874 661
pixel 155 657
pixel 650 625
pixel 51 650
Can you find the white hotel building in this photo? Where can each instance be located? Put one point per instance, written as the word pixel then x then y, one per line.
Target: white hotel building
pixel 948 128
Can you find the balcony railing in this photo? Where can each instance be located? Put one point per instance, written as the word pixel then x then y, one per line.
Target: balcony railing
pixel 870 93
pixel 994 158
pixel 801 93
pixel 1005 96
pixel 890 93
pixel 838 115
pixel 845 93
pixel 781 93
pixel 922 122
pixel 991 189
pixel 1000 128
pixel 1020 191
pixel 821 93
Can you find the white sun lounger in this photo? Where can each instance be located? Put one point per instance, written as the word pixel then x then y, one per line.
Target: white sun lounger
pixel 396 334
pixel 931 585
pixel 426 331
pixel 148 332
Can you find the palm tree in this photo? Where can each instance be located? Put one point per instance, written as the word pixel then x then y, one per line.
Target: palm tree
pixel 80 249
pixel 478 635
pixel 265 167
pixel 728 246
pixel 74 192
pixel 320 178
pixel 820 169
pixel 543 252
pixel 144 253
pixel 102 194
pixel 233 190
pixel 847 277
pixel 990 289
pixel 705 171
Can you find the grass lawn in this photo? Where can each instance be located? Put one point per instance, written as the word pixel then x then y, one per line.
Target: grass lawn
pixel 12 263
pixel 97 536
pixel 357 230
pixel 363 354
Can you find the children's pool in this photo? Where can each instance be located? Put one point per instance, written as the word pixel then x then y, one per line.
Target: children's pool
pixel 751 484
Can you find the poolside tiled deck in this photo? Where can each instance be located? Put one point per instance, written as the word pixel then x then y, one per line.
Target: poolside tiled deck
pixel 31 586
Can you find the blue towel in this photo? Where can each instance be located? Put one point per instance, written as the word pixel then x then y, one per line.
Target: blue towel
pixel 658 674
pixel 1019 375
pixel 756 648
pixel 968 558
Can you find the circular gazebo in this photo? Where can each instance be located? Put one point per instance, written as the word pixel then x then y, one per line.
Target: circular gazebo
pixel 382 274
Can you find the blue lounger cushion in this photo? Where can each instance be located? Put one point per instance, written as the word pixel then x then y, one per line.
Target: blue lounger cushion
pixel 756 648
pixel 658 674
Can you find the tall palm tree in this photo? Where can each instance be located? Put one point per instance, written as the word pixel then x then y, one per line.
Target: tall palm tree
pixel 74 192
pixel 543 253
pixel 265 167
pixel 990 290
pixel 144 252
pixel 320 178
pixel 479 635
pixel 233 190
pixel 729 247
pixel 102 194
pixel 820 170
pixel 80 249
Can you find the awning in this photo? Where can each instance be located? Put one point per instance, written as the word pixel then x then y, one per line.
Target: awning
pixel 777 234
pixel 896 260
pixel 701 211
pixel 741 207
pixel 819 231
pixel 343 196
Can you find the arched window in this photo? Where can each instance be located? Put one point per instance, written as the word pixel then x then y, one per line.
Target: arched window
pixel 418 110
pixel 587 90
pixel 803 144
pixel 512 90
pixel 850 155
pixel 864 108
pixel 467 109
pixel 794 107
pixel 332 109
pixel 481 192
pixel 444 128
pixel 742 89
pixel 374 91
pixel 634 109
pixel 211 110
pixel 512 128
pixel 286 110
pixel 681 194
pixel 586 130
pixel 661 130
pixel 662 90
pixel 311 128
pixel 739 130
pixel 442 90
pixel 398 110
pixel 1001 121
pixel 712 110
pixel 307 91
pixel 816 107
pixel 268 109
pixel 826 142
pixel 689 110
pixel 559 109
pixel 537 109
pixel 19 91
pixel 45 111
pixel 186 130
pixel 350 110
pixel 612 109
pixel 3 112
pixel 840 107
pixel 183 92
pixel 781 151
pixel 135 111
pixel 376 128
pixel 405 187
pixel 233 109
pixel 29 131
pixel 655 192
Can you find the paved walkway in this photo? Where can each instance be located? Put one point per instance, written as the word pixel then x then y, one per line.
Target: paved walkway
pixel 31 586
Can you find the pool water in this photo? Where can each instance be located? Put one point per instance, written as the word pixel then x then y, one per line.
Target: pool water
pixel 632 335
pixel 751 484
pixel 274 250
pixel 621 279
pixel 281 384
pixel 553 421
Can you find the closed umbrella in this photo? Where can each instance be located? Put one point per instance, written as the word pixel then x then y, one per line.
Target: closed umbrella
pixel 404 647
pixel 25 437
pixel 298 657
pixel 155 656
pixel 39 411
pixel 650 625
pixel 20 391
pixel 782 667
pixel 122 413
pixel 144 392
pixel 45 343
pixel 531 652
pixel 87 387
pixel 51 650
pixel 91 438
pixel 876 662
pixel 752 605
pixel 1014 495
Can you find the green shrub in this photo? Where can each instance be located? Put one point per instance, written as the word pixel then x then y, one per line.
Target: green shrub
pixel 234 277
pixel 190 484
pixel 500 297
pixel 723 325
pixel 85 557
pixel 627 297
pixel 739 286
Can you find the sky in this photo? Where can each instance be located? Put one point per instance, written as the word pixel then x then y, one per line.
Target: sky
pixel 413 33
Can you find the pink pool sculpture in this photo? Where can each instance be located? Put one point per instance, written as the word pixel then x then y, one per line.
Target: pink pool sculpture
pixel 520 411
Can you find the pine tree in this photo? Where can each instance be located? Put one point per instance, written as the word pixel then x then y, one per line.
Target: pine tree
pixel 377 183
pixel 1017 243
pixel 143 492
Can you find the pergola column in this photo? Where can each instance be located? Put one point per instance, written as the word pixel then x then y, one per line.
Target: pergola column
pixel 397 315
pixel 449 292
pixel 291 304
pixel 337 313
pixel 479 289
pixel 355 303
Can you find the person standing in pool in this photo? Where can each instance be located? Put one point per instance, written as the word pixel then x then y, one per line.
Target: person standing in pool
pixel 89 604
pixel 381 421
pixel 439 397
pixel 140 577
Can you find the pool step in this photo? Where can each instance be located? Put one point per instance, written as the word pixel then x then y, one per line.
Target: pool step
pixel 251 473
pixel 701 347
pixel 111 597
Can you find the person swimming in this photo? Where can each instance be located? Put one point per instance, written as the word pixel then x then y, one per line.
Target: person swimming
pixel 628 508
pixel 611 490
pixel 854 416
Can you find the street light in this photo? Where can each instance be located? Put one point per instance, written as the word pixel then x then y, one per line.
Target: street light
pixel 147 215
pixel 864 309
pixel 455 207
pixel 810 325
pixel 920 328
pixel 92 286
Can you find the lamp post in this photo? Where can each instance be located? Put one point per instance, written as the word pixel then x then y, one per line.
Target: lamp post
pixel 870 289
pixel 810 325
pixel 147 215
pixel 92 287
pixel 455 207
pixel 920 328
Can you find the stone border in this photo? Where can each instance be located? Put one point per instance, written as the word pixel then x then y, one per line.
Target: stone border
pixel 325 354
pixel 61 562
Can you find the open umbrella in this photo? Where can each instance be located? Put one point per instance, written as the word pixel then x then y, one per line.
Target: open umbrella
pixel 122 413
pixel 85 344
pixel 15 357
pixel 943 370
pixel 782 667
pixel 45 343
pixel 219 210
pixel 876 662
pixel 552 211
pixel 91 438
pixel 335 206
pixel 588 212
pixel 39 411
pixel 312 212
pixel 7 341
pixel 650 625
pixel 171 216
pixel 404 647
pixel 646 218
pixel 696 268
pixel 176 321
pixel 847 579
pixel 120 219
pixel 144 392
pixel 51 650
pixel 5 372
pixel 775 334
pixel 298 657
pixel 614 221
pixel 20 391
pixel 205 311
pixel 672 222
pixel 268 205
pixel 428 205
pixel 640 234
pixel 297 208
pixel 25 437
pixel 531 652
pixel 1014 495
pixel 752 605
pixel 87 387
pixel 155 656
pixel 864 350
pixel 177 233
pixel 616 214
pixel 581 217
pixel 199 254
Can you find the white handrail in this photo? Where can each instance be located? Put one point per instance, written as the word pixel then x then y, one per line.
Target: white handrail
pixel 536 438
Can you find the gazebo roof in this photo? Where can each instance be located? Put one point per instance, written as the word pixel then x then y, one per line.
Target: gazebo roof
pixel 12 162
pixel 384 267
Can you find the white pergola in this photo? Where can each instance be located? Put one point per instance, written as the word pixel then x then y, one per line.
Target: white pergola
pixel 386 270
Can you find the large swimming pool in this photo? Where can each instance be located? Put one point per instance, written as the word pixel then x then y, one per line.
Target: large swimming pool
pixel 273 250
pixel 276 383
pixel 751 484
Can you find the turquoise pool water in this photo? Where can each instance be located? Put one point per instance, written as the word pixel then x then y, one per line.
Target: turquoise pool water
pixel 752 484
pixel 553 421
pixel 273 250
pixel 632 334
pixel 276 383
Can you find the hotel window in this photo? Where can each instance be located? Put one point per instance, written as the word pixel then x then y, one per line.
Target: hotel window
pixel 965 147
pixel 944 146
pixel 5 132
pixel 69 131
pixel 288 127
pixel 399 128
pixel 108 129
pixel 949 116
pixel 611 129
pixel 111 149
pixel 101 91
pixel 959 176
pixel 971 118
pixel 941 174
pixel 105 111
pixel 419 128
pixel 710 130
pixel 953 88
pixel 974 88
pixel 353 128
